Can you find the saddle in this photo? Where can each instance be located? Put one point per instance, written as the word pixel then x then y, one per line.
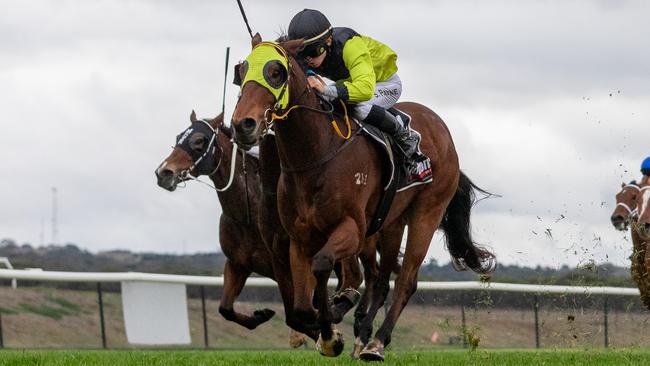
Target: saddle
pixel 398 174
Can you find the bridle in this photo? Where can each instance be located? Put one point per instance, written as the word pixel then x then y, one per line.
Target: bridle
pixel 211 149
pixel 633 212
pixel 276 112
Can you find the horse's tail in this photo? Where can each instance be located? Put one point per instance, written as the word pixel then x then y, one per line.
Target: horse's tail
pixel 456 225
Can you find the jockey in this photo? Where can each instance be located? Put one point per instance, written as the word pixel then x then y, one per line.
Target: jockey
pixel 645 166
pixel 365 71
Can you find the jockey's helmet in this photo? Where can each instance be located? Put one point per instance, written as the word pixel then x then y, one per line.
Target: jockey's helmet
pixel 312 26
pixel 645 166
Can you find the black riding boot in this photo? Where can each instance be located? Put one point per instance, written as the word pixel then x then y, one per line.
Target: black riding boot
pixel 406 139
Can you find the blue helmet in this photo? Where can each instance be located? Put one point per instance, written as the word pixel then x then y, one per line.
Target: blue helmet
pixel 645 166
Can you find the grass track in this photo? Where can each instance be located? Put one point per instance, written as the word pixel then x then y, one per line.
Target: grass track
pixel 195 358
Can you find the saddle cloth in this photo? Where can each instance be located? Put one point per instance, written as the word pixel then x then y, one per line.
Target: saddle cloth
pixel 398 173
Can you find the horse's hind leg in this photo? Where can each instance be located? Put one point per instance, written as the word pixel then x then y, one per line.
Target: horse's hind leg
pixel 638 268
pixel 391 238
pixel 422 226
pixel 368 258
pixel 234 280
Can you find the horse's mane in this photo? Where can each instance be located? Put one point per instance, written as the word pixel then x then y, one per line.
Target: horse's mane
pixel 284 37
pixel 227 130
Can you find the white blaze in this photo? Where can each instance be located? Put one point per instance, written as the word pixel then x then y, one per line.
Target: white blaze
pixel 646 199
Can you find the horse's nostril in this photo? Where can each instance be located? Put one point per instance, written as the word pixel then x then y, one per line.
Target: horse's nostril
pixel 248 124
pixel 165 173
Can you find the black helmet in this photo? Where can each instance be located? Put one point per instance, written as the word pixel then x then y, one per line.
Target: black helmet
pixel 312 25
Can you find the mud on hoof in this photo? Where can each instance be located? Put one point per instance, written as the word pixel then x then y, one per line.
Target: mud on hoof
pixel 374 351
pixel 356 348
pixel 342 302
pixel 350 296
pixel 297 339
pixel 263 315
pixel 332 347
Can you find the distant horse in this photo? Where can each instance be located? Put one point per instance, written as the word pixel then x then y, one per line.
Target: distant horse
pixel 624 216
pixel 249 225
pixel 642 227
pixel 643 209
pixel 329 190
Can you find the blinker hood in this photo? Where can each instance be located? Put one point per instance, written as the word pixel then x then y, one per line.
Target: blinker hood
pixel 263 56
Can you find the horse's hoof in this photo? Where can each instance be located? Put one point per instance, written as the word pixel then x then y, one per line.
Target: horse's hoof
pixel 263 315
pixel 356 349
pixel 350 295
pixel 297 339
pixel 374 351
pixel 332 347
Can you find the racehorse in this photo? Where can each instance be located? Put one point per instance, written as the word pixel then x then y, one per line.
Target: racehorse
pixel 329 189
pixel 643 209
pixel 249 227
pixel 643 231
pixel 625 210
pixel 624 216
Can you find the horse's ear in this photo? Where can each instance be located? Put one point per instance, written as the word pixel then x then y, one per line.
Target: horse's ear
pixel 256 40
pixel 217 121
pixel 193 116
pixel 623 185
pixel 292 47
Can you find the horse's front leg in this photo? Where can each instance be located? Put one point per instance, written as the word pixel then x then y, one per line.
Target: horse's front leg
pixel 342 243
pixel 282 272
pixel 303 288
pixel 368 258
pixel 347 294
pixel 234 281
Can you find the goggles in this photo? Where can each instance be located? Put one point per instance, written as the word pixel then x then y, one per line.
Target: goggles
pixel 314 50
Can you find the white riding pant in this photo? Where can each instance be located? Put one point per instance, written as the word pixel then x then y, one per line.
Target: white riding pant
pixel 386 94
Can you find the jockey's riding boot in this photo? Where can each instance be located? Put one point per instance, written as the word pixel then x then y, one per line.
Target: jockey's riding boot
pixel 407 140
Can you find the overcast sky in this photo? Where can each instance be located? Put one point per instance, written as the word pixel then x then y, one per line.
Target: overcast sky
pixel 548 103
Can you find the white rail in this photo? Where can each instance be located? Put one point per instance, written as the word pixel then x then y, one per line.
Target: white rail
pixel 55 276
pixel 6 262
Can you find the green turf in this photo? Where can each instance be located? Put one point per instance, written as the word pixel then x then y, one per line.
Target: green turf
pixel 195 358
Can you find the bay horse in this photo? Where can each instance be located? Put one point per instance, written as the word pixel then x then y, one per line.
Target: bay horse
pixel 625 215
pixel 326 209
pixel 249 232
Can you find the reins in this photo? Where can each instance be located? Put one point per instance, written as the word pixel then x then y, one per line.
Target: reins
pixel 273 114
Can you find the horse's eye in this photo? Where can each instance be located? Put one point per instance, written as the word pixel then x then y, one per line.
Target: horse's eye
pixel 197 143
pixel 274 73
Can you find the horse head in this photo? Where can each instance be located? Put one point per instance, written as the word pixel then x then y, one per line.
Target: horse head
pixel 195 153
pixel 267 83
pixel 625 210
pixel 643 208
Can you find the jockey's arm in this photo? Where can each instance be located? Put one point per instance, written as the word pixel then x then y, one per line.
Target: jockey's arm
pixel 360 87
